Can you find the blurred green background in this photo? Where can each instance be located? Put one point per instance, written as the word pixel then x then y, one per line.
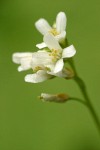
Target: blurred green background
pixel 25 122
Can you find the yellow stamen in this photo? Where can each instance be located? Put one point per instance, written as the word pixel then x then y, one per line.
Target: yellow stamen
pixel 55 54
pixel 54 32
pixel 37 68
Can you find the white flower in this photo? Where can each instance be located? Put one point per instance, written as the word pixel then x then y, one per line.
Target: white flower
pixel 58 53
pixel 42 64
pixel 49 62
pixel 24 59
pixel 36 61
pixel 59 98
pixel 58 30
pixel 46 65
pixel 39 63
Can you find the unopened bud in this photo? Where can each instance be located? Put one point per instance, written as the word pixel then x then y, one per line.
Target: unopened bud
pixel 59 98
pixel 69 72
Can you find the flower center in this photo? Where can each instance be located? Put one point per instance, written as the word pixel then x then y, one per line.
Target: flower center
pixel 55 54
pixel 37 68
pixel 54 32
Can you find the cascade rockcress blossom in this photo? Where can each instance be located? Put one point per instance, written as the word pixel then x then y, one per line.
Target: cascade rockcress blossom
pixel 49 60
pixel 58 29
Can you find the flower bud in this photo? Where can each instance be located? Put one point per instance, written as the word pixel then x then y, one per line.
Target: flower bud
pixel 69 72
pixel 59 98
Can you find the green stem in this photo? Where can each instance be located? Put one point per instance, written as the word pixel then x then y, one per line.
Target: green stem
pixel 82 87
pixel 78 100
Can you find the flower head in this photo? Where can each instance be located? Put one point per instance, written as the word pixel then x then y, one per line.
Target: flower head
pixel 58 30
pixel 49 62
pixel 46 64
pixel 43 64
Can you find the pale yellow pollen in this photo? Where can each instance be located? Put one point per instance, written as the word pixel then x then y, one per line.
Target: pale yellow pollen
pixel 37 68
pixel 54 32
pixel 47 69
pixel 55 54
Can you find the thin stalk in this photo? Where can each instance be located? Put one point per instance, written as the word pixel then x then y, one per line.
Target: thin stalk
pixel 82 87
pixel 78 100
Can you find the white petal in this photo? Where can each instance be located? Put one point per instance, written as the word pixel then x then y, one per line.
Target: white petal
pixel 51 42
pixel 20 68
pixel 17 57
pixel 60 74
pixel 60 37
pixel 61 22
pixel 41 45
pixel 42 26
pixel 59 66
pixel 25 64
pixel 69 52
pixel 40 76
pixel 41 59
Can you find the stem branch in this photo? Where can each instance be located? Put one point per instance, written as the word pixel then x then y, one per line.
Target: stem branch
pixel 78 100
pixel 82 87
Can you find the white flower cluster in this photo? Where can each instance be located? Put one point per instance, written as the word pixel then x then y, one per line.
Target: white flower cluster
pixel 48 61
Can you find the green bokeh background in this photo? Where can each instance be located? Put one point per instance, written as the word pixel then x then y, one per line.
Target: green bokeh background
pixel 25 122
